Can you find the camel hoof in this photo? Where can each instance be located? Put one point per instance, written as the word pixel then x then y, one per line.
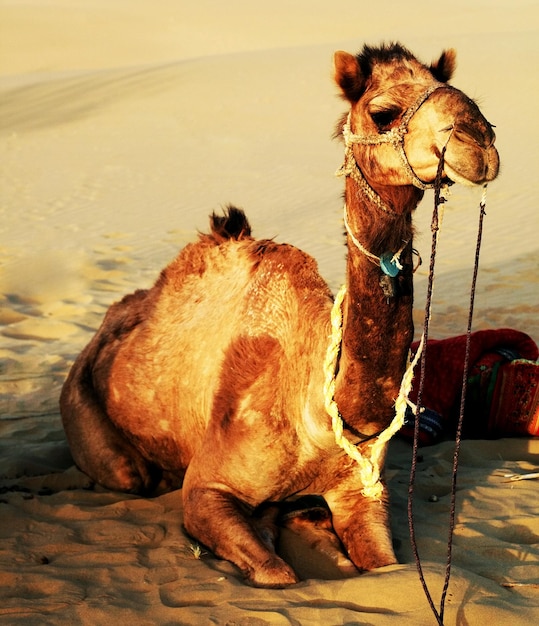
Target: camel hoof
pixel 274 574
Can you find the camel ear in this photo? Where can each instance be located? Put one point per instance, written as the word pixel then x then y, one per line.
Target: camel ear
pixel 348 75
pixel 444 67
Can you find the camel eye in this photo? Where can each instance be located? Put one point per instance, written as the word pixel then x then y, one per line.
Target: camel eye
pixel 384 119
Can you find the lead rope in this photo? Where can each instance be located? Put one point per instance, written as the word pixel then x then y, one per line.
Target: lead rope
pixel 435 232
pixel 458 436
pixel 435 228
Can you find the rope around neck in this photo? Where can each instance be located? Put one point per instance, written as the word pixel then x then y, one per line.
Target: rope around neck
pixel 369 466
pixel 373 257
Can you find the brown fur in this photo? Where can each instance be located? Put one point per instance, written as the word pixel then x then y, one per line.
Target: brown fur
pixel 216 371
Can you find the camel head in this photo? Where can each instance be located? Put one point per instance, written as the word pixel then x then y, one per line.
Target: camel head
pixel 404 113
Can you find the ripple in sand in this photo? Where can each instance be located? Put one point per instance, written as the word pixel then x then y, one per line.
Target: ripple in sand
pixel 119 533
pixel 40 329
pixel 9 316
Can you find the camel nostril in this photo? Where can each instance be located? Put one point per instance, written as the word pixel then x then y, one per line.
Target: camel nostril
pixel 468 135
pixel 482 136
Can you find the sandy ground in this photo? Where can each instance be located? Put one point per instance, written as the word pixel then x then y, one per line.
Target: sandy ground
pixel 123 125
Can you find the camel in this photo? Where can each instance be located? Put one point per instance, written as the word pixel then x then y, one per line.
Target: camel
pixel 214 376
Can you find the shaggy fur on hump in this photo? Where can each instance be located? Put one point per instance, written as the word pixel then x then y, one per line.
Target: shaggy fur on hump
pixel 233 225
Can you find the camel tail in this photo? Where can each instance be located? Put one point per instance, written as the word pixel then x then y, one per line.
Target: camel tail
pixel 232 225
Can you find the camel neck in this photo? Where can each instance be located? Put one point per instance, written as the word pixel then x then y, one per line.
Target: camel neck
pixel 377 311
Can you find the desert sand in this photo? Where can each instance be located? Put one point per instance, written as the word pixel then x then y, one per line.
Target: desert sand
pixel 123 125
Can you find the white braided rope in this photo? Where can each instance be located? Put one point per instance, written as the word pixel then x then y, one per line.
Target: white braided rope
pixel 369 467
pixel 373 257
pixel 359 246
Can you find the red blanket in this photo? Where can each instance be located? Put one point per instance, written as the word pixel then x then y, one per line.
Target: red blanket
pixel 503 387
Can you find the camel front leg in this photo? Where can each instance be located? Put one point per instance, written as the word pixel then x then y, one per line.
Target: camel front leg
pixel 226 526
pixel 362 524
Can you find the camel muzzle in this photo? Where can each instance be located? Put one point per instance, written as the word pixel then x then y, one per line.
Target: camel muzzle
pixel 471 158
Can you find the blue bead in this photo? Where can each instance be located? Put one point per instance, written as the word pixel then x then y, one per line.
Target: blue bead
pixel 388 265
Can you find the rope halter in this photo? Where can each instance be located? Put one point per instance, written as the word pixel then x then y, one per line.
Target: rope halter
pixel 390 263
pixel 394 137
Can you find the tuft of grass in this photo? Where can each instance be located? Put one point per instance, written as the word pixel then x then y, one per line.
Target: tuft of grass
pixel 196 550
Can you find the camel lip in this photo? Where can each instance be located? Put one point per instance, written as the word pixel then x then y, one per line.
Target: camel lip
pixel 455 177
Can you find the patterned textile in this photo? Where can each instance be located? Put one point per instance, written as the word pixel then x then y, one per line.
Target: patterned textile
pixel 515 403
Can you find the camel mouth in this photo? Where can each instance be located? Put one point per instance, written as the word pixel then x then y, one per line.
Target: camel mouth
pixel 485 170
pixel 456 177
pixel 472 166
pixel 453 176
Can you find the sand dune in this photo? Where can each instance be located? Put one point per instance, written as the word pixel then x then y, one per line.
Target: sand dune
pixel 123 125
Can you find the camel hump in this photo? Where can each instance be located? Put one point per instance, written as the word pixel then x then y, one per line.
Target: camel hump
pixel 232 225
